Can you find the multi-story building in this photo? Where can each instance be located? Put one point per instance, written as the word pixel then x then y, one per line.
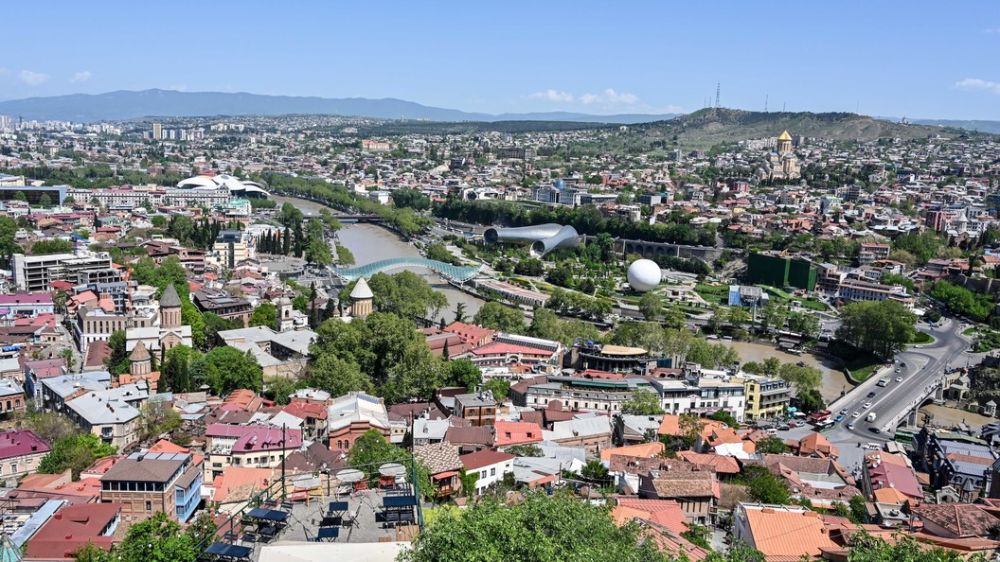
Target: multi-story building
pixel 12 399
pixel 857 290
pixel 34 273
pixel 765 397
pixel 259 446
pixel 702 391
pixel 477 408
pixel 590 391
pixel 225 305
pixel 145 483
pixel 20 452
pixel 25 305
pixel 232 247
pixel 491 467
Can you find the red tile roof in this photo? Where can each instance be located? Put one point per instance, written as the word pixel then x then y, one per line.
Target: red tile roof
pixel 516 433
pixel 486 457
pixel 70 529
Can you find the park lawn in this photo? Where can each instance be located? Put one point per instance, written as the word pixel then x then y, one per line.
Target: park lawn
pixel 860 364
pixel 922 338
pixel 714 294
pixel 861 374
pixel 971 330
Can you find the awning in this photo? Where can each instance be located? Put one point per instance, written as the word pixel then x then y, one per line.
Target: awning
pixel 443 475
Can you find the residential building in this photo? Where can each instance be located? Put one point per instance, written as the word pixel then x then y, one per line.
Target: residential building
pixel 592 434
pixel 34 273
pixel 12 399
pixel 25 305
pixel 490 465
pixel 260 446
pixel 954 459
pixel 478 408
pixel 695 490
pixel 224 305
pixel 766 528
pixel 73 527
pixel 765 397
pixel 21 450
pixel 145 483
pixel 589 391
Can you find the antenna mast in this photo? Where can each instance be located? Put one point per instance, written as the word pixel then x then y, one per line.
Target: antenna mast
pixel 718 88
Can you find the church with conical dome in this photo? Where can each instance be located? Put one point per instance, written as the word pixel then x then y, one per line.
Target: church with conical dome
pixel 168 333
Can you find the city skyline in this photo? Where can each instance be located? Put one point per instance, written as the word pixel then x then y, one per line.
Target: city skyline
pixel 929 62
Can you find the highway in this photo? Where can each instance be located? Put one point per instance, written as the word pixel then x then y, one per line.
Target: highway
pixel 919 367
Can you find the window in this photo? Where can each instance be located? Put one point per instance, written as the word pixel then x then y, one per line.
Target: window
pixel 482 474
pixel 149 505
pixel 493 471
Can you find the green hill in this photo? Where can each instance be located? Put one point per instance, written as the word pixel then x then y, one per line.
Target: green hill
pixel 708 127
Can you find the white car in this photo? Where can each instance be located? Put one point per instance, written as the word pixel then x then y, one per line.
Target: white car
pixel 866 405
pixel 899 379
pixel 856 415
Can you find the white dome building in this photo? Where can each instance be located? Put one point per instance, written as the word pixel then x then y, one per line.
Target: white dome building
pixel 236 186
pixel 644 275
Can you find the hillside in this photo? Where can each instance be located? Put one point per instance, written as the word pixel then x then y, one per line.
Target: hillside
pixel 124 104
pixel 708 127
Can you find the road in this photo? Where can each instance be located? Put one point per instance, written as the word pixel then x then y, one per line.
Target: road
pixel 923 366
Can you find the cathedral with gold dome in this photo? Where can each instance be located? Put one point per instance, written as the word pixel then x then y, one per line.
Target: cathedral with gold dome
pixel 781 164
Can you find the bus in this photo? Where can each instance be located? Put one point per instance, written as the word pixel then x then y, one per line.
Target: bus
pixel 824 425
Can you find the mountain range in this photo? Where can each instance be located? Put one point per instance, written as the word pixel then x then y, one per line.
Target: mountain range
pixel 125 104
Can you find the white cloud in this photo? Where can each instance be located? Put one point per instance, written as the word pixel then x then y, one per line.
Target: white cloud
pixel 81 76
pixel 33 78
pixel 979 84
pixel 610 97
pixel 552 95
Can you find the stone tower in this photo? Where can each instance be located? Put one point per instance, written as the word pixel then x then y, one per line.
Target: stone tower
pixel 170 308
pixel 140 361
pixel 285 322
pixel 361 299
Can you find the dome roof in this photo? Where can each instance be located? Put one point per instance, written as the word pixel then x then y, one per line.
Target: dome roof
pixel 170 298
pixel 361 290
pixel 784 136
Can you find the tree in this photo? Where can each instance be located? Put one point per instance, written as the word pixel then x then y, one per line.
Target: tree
pixel 642 403
pixel 539 528
pixel 468 480
pixel 336 376
pixel 405 294
pixel 772 317
pixel 527 450
pixel 371 450
pixel 460 312
pixel 859 512
pixel 157 417
pixel 531 267
pixel 880 327
pixel 804 323
pixel 498 387
pixel 45 201
pixel 75 452
pixel 698 535
pixel 265 314
pixel 500 317
pixel 650 306
pixel 48 247
pixel 771 445
pixel 157 539
pixel 117 363
pixel 803 377
pixel 279 389
pixel 726 418
pixel 227 368
pixel 50 426
pixel 175 374
pixel 465 373
pixel 765 487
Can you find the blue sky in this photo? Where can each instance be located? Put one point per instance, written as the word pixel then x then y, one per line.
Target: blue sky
pixel 913 58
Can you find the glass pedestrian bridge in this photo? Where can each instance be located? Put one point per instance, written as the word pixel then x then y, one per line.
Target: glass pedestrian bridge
pixel 448 271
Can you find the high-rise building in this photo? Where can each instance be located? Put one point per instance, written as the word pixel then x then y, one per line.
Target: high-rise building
pixel 157 131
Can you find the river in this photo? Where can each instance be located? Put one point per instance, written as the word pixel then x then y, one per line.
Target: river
pixel 370 243
pixel 834 381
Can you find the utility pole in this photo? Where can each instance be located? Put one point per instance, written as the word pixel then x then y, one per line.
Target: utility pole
pixel 284 455
pixel 718 89
pixel 765 103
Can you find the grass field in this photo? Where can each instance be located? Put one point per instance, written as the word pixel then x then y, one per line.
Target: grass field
pixel 922 338
pixel 861 364
pixel 713 294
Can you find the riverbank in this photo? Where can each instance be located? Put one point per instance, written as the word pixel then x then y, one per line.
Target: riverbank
pixel 370 243
pixel 834 385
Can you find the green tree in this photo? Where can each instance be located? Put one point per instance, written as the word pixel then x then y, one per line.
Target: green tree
pixel 157 539
pixel 465 373
pixel 405 294
pixel 527 450
pixel 500 317
pixel 883 327
pixel 336 376
pixel 726 418
pixel 48 247
pixel 266 314
pixel 859 511
pixel 540 528
pixel 698 535
pixel 371 450
pixel 279 389
pixel 642 403
pixel 650 306
pixel 460 312
pixel 498 387
pixel 75 452
pixel 227 368
pixel 45 201
pixel 175 374
pixel 771 445
pixel 804 323
pixel 765 487
pixel 469 481
pixel 156 418
pixel 117 363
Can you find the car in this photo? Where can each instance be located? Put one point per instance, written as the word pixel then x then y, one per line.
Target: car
pixel 898 379
pixel 856 415
pixel 784 427
pixel 843 412
pixel 838 419
pixel 866 405
pixel 870 395
pixel 850 425
pixel 874 430
pixel 794 424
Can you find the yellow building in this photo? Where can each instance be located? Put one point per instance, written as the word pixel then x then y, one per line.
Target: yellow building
pixel 765 397
pixel 782 164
